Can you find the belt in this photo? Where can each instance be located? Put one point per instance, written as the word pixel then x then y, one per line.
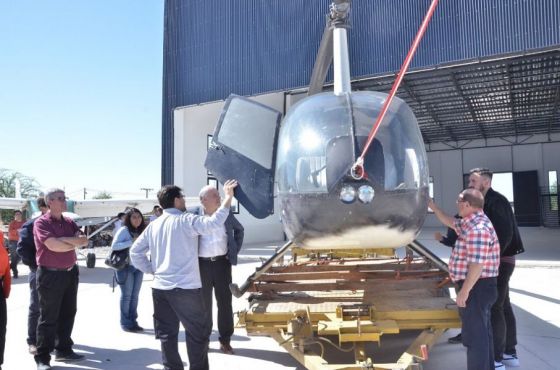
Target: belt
pixel 57 268
pixel 215 258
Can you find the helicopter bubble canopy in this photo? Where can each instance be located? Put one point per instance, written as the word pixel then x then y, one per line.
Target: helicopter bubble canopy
pixel 310 157
pixel 322 205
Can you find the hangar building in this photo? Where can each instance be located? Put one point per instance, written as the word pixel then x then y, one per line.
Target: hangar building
pixel 484 85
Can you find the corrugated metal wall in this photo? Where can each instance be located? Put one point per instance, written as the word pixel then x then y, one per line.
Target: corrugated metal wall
pixel 213 47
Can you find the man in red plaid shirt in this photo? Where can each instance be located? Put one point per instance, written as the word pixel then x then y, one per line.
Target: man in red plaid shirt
pixel 473 266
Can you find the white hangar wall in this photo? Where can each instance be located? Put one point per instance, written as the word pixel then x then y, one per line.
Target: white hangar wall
pixel 447 162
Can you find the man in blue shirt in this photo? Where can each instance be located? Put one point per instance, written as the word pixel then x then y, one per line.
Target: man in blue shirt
pixel 171 241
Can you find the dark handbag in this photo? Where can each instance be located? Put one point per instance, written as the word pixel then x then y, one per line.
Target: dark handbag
pixel 118 259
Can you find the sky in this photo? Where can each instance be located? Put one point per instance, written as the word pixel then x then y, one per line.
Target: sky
pixel 81 93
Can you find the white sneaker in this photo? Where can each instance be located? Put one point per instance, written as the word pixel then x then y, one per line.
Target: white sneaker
pixel 499 365
pixel 510 360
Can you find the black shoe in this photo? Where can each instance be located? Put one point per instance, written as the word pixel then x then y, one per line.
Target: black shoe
pixel 68 356
pixel 43 366
pixel 226 348
pixel 133 329
pixel 456 339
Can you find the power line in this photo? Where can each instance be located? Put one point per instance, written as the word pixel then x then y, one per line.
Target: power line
pixel 147 190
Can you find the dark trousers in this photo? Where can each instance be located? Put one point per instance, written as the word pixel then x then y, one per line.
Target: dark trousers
pixel 58 292
pixel 187 307
pixel 3 323
pixel 33 314
pixel 14 257
pixel 476 325
pixel 216 275
pixel 503 320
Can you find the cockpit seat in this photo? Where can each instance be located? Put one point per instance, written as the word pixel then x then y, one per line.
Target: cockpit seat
pixel 311 174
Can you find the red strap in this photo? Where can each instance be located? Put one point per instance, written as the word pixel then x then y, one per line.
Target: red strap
pixel 359 162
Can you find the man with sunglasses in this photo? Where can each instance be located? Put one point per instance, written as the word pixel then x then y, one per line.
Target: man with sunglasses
pixel 498 210
pixel 56 238
pixel 473 267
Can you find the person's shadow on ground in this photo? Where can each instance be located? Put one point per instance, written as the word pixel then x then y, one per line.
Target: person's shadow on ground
pixel 113 359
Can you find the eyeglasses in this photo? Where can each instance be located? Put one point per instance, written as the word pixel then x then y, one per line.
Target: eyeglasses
pixel 61 199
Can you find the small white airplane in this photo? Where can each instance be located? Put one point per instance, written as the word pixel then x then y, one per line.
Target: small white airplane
pixel 97 216
pixel 81 210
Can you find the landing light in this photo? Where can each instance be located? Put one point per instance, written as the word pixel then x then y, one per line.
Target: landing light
pixel 366 194
pixel 347 194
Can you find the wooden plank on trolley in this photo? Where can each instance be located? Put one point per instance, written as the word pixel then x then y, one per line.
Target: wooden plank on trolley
pixel 313 266
pixel 350 276
pixel 378 285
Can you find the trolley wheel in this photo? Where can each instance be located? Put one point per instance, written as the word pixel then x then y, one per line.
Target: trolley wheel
pixel 90 260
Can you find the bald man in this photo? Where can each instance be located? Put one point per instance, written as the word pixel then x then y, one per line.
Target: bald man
pixel 473 266
pixel 217 252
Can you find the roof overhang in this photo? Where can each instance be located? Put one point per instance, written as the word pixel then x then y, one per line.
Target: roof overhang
pixel 506 95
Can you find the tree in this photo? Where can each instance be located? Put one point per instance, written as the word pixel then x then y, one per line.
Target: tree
pixel 28 185
pixel 103 195
pixel 29 188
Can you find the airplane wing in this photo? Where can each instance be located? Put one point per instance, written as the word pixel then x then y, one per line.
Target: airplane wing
pixel 12 203
pixel 86 221
pixel 111 207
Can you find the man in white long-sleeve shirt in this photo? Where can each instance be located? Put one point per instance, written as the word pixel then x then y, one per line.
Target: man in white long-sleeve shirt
pixel 171 242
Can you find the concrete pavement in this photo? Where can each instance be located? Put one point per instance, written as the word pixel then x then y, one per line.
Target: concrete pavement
pixel 97 334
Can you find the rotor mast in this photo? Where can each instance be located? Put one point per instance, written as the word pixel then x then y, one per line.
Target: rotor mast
pixel 334 37
pixel 340 11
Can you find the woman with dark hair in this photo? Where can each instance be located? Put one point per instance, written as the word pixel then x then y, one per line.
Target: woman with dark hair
pixel 129 278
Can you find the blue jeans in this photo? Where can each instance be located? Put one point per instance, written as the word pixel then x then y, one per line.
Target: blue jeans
pixel 476 327
pixel 130 282
pixel 33 315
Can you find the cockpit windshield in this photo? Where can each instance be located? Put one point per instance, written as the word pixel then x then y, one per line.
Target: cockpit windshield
pixel 321 139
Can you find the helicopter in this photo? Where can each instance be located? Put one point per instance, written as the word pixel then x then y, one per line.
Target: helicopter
pixel 339 186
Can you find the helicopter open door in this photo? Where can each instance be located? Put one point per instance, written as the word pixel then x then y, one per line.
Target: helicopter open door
pixel 244 148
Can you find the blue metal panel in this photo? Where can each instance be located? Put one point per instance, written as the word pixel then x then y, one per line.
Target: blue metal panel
pixel 213 47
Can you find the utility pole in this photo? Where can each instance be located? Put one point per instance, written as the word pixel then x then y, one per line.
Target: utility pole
pixel 147 190
pixel 85 193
